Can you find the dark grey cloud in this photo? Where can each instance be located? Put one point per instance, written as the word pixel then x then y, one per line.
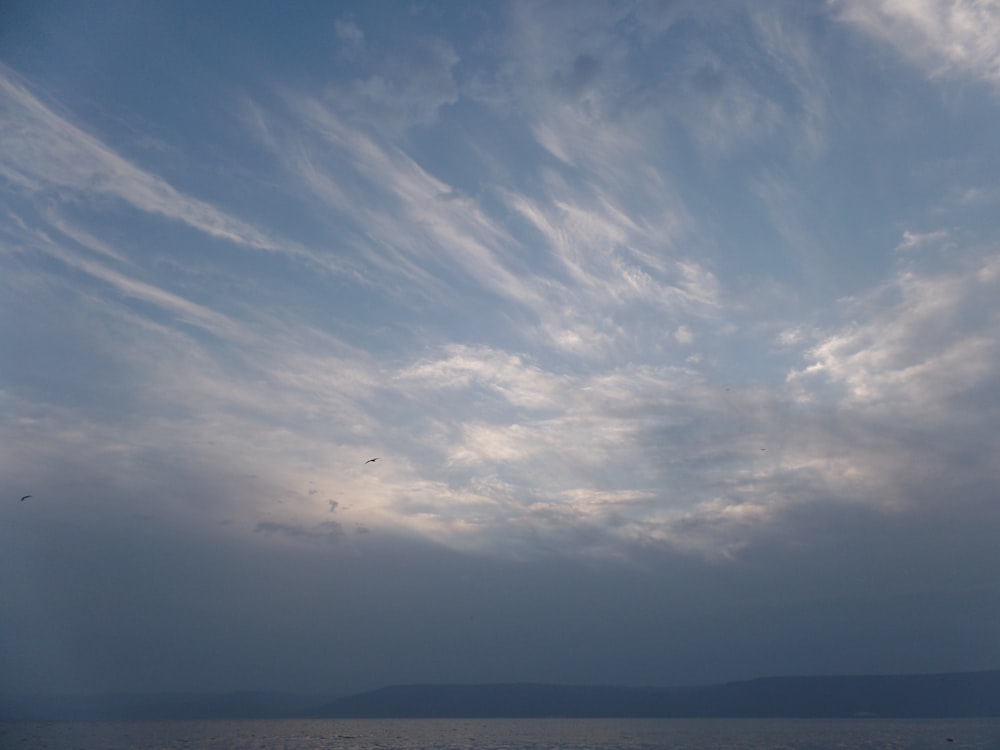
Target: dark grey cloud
pixel 107 604
pixel 324 530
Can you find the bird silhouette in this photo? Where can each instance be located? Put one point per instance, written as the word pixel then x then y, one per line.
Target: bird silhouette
pixel 370 460
pixel 25 498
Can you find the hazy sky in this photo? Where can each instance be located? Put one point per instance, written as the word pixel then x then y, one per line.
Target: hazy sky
pixel 675 326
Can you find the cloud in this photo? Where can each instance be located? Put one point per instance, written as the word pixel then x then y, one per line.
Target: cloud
pixel 44 152
pixel 612 266
pixel 406 86
pixel 591 281
pixel 350 35
pixel 790 53
pixel 908 391
pixel 576 83
pixel 520 384
pixel 912 240
pixel 389 196
pixel 585 229
pixel 943 37
pixel 329 530
pixel 977 196
pixel 185 310
pixel 925 339
pixel 790 214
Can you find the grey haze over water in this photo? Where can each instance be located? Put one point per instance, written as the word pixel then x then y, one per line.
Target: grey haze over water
pixel 506 734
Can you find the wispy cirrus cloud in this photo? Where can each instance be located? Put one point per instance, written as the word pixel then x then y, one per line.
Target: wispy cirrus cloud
pixel 185 310
pixel 44 151
pixel 562 287
pixel 944 37
pixel 404 228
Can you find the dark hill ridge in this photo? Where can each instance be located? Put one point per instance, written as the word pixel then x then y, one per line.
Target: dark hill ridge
pixel 965 694
pixel 496 701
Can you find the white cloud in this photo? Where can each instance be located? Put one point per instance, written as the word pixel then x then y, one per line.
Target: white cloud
pixel 912 240
pixel 520 384
pixel 349 33
pixel 42 151
pixel 395 205
pixel 608 257
pixel 944 37
pixel 790 336
pixel 185 310
pixel 977 196
pixel 935 340
pixel 612 268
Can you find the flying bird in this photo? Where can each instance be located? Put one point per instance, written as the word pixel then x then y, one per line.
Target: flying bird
pixel 25 498
pixel 370 460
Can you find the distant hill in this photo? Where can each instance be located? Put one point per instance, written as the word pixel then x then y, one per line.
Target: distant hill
pixel 964 694
pixel 130 706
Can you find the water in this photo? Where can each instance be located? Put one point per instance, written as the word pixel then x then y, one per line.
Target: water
pixel 507 734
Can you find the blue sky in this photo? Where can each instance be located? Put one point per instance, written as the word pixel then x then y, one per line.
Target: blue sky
pixel 674 326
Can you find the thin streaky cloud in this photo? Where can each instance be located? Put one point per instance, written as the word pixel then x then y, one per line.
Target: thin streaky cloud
pixel 186 310
pixel 83 238
pixel 398 195
pixel 45 151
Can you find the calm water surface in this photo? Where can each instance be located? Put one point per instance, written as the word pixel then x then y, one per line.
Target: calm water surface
pixel 507 734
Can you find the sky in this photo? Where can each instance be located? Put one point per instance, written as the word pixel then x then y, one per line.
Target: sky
pixel 674 326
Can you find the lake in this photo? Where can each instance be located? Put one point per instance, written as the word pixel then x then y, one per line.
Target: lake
pixel 507 734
